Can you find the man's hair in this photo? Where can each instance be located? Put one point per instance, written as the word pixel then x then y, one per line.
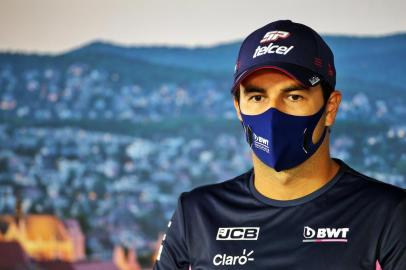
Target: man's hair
pixel 325 88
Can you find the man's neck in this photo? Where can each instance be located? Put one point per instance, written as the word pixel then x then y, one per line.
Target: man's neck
pixel 296 182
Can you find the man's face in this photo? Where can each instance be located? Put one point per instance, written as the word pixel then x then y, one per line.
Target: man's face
pixel 266 88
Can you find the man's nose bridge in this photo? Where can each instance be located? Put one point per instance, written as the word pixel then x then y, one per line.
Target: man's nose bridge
pixel 274 102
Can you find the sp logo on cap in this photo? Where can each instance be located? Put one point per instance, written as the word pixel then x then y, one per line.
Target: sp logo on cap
pixel 273 36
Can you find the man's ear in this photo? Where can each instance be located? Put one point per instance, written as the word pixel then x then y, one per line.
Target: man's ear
pixel 237 109
pixel 332 107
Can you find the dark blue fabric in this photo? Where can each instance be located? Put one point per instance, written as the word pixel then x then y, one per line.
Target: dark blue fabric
pixel 282 140
pixel 369 216
pixel 302 53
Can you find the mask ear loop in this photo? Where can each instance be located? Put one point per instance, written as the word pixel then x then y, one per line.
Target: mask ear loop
pixel 247 130
pixel 307 139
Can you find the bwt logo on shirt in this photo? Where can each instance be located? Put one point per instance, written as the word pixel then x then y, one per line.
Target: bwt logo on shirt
pixel 325 234
pixel 237 233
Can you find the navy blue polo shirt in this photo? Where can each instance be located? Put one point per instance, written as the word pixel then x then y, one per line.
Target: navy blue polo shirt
pixel 347 224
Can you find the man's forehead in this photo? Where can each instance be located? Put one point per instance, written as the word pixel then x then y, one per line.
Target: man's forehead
pixel 251 87
pixel 269 76
pixel 269 73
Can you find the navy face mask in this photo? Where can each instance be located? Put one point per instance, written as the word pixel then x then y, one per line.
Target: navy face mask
pixel 281 140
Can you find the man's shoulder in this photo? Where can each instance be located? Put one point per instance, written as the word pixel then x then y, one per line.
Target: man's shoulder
pixel 376 189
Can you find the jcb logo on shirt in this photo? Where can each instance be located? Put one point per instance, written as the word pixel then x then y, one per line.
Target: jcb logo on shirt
pixel 237 233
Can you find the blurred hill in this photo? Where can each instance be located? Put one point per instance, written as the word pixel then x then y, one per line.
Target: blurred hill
pixel 361 62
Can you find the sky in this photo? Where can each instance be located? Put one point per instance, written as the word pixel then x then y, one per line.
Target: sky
pixel 55 26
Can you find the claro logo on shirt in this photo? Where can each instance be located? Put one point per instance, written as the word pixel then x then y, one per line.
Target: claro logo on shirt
pixel 237 233
pixel 325 234
pixel 224 259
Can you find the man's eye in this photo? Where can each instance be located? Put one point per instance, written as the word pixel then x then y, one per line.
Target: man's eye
pixel 295 97
pixel 257 98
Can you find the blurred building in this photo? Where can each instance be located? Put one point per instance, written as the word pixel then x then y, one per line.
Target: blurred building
pixel 50 243
pixel 125 259
pixel 43 237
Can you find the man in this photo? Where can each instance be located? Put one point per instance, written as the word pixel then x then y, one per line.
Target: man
pixel 296 208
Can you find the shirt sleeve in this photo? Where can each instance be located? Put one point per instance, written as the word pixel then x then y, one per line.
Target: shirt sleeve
pixel 392 247
pixel 173 253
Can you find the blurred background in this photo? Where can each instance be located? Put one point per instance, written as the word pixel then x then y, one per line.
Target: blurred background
pixel 110 109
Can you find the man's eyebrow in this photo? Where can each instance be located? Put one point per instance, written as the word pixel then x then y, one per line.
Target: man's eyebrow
pixel 255 89
pixel 295 87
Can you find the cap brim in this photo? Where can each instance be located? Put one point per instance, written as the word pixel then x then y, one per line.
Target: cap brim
pixel 302 75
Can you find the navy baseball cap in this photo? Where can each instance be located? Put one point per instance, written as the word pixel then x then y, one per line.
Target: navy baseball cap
pixel 292 48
